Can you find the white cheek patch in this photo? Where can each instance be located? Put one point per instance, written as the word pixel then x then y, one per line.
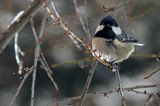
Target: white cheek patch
pixel 117 30
pixel 99 28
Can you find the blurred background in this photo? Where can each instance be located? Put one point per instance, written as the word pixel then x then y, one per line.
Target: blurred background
pixel 143 22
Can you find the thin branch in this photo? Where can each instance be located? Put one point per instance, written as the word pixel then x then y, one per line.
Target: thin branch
pixel 88 81
pixel 148 100
pixel 152 73
pixel 36 57
pixel 115 8
pixel 42 58
pixel 33 86
pixel 48 71
pixel 157 98
pixel 20 86
pixel 33 68
pixel 39 52
pixel 8 35
pixel 72 62
pixel 59 21
pixel 82 15
pixel 146 55
pixel 122 4
pixel 68 32
pixel 140 92
pixel 73 100
pixel 17 56
pixel 123 103
pixel 91 59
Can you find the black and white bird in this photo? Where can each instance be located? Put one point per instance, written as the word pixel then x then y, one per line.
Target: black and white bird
pixel 110 43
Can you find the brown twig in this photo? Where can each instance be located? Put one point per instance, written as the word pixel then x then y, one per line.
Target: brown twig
pixel 88 81
pixel 17 26
pixel 73 100
pixel 82 15
pixel 150 97
pixel 42 58
pixel 40 55
pixel 36 58
pixel 56 17
pixel 48 71
pixel 116 68
pixel 20 86
pixel 152 73
pixel 18 52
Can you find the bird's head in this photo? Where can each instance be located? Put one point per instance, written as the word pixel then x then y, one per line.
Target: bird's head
pixel 108 28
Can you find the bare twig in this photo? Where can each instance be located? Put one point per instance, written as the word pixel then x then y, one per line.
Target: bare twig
pixel 17 26
pixel 72 100
pixel 59 21
pixel 33 86
pixel 20 86
pixel 123 103
pixel 122 4
pixel 146 55
pixel 157 98
pixel 39 52
pixel 140 92
pixel 33 68
pixel 42 58
pixel 72 62
pixel 82 15
pixel 16 46
pixel 88 81
pixel 36 57
pixel 48 71
pixel 17 51
pixel 148 100
pixel 115 8
pixel 152 73
pixel 91 59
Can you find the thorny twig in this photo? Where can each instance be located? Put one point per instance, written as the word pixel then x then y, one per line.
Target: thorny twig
pixel 88 81
pixel 72 100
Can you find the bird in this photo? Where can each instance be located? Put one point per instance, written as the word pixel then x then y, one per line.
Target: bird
pixel 110 44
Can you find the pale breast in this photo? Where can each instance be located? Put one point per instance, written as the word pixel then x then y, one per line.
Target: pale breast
pixel 103 50
pixel 116 52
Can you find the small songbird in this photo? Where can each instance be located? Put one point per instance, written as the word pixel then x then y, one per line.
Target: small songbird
pixel 111 44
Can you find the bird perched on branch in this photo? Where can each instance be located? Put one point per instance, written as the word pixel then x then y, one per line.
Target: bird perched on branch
pixel 110 44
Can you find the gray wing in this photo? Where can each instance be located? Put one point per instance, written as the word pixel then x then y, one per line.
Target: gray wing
pixel 125 38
